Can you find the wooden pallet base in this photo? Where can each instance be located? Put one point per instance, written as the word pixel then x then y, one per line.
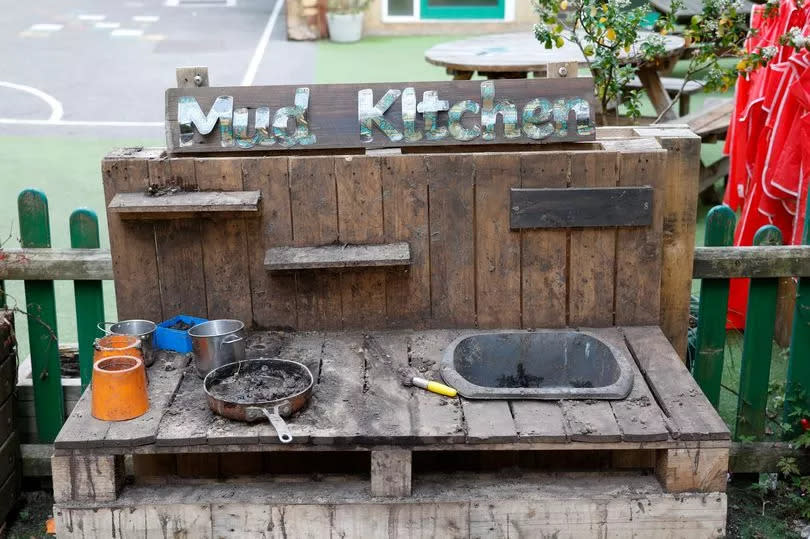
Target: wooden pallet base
pixel 534 505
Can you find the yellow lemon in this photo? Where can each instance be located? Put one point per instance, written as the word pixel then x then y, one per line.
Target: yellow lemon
pixel 610 34
pixel 741 65
pixel 603 20
pixel 564 5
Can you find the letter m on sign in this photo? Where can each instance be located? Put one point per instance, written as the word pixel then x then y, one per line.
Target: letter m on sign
pixel 190 115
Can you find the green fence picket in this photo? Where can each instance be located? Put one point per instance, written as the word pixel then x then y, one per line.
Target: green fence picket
pixel 89 294
pixel 797 394
pixel 711 333
pixel 757 346
pixel 46 371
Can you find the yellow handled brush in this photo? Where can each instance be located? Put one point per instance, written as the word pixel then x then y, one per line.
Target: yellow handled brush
pixel 433 387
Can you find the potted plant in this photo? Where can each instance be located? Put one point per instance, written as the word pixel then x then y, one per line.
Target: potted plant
pixel 345 20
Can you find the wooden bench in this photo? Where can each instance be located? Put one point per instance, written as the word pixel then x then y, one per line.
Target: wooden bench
pixel 710 124
pixel 673 85
pixel 368 453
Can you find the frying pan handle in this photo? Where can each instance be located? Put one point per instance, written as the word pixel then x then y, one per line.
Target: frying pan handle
pixel 278 423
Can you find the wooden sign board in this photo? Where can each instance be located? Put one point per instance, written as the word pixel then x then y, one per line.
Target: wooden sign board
pixel 387 115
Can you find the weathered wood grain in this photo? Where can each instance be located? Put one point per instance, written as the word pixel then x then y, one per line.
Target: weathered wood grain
pixel 179 247
pixel 391 472
pixel 56 264
pixel 674 389
pixel 333 108
pixel 497 249
pixel 539 421
pixel 544 253
pixel 314 208
pixel 590 421
pixel 188 418
pixel 488 421
pixel 186 204
pixel 81 429
pixel 592 251
pixel 638 415
pixel 452 241
pixel 581 207
pixel 638 250
pixel 87 478
pixel 405 218
pixel 340 256
pixel 693 470
pixel 751 262
pixel 132 243
pixel 224 245
pixel 273 295
pixel 358 183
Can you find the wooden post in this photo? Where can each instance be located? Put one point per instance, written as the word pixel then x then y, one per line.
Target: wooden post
pixel 711 332
pixel 685 470
pixel 87 478
pixel 391 472
pixel 757 346
pixel 46 370
pixel 89 295
pixel 797 394
pixel 656 92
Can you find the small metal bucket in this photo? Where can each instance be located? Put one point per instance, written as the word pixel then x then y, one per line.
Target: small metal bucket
pixel 216 343
pixel 143 329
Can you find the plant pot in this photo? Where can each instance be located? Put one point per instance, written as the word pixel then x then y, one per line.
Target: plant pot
pixel 345 27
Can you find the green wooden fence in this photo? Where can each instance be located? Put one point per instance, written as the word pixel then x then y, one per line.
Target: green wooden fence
pixel 40 307
pixel 758 337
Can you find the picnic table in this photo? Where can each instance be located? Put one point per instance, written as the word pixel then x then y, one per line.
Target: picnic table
pixel 691 8
pixel 515 55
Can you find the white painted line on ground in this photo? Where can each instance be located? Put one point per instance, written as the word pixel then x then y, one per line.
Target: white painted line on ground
pixel 77 123
pixel 258 54
pixel 45 27
pixel 127 32
pixel 56 106
pixel 107 25
pixel 145 18
pixel 92 17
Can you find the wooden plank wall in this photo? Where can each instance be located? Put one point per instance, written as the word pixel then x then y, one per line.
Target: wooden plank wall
pixel 468 268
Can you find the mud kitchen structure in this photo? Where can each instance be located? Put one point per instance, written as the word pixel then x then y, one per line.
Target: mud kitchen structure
pixel 547 278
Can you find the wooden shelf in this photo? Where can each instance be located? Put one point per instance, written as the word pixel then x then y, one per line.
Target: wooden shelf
pixel 337 256
pixel 183 205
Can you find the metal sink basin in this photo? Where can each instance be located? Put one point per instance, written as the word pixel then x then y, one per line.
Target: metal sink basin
pixel 541 364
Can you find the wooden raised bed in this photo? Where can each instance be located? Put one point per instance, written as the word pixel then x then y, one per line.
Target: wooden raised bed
pixel 10 461
pixel 371 457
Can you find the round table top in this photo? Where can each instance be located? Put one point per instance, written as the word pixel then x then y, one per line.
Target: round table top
pixel 519 51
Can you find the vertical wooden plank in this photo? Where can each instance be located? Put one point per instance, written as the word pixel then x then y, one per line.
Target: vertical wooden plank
pixel 680 215
pixel 314 221
pixel 273 292
pixel 689 470
pixel 797 393
pixel 755 367
pixel 88 294
pixel 497 248
pixel 592 251
pixel 360 220
pixel 132 243
pixel 391 472
pixel 405 215
pixel 179 246
pixel 544 253
pixel 452 240
pixel 40 306
pixel 638 249
pixel 711 331
pixel 224 245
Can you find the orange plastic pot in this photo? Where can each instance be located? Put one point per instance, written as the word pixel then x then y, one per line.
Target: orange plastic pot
pixel 117 345
pixel 119 388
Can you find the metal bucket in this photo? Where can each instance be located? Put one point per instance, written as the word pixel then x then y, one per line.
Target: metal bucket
pixel 216 343
pixel 143 329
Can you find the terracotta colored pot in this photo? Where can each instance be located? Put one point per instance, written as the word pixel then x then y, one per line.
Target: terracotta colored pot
pixel 117 345
pixel 119 388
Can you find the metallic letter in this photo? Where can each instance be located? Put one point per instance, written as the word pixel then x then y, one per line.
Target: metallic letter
pixel 189 114
pixel 457 129
pixel 429 107
pixel 582 112
pixel 489 113
pixel 537 119
pixel 261 122
pixel 369 115
pixel 301 134
pixel 409 115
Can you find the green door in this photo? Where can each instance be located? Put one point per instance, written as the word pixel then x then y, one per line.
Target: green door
pixel 462 9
